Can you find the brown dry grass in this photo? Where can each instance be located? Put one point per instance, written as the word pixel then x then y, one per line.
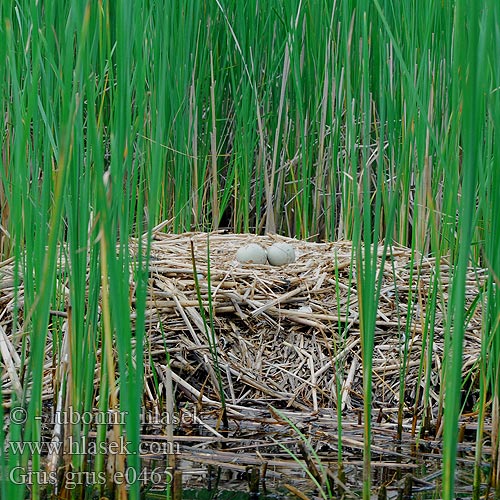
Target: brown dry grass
pixel 286 334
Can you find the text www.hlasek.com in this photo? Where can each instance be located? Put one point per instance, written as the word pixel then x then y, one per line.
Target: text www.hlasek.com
pixel 86 447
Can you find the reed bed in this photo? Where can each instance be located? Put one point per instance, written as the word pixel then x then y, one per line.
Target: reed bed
pixel 287 337
pixel 356 120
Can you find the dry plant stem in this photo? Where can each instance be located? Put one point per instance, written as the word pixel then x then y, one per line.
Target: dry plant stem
pixel 116 461
pixel 61 377
pixel 11 361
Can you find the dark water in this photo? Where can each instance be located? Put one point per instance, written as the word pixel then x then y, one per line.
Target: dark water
pixel 264 458
pixel 419 482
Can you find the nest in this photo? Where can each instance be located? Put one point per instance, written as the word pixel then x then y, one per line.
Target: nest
pixel 290 335
pixel 287 336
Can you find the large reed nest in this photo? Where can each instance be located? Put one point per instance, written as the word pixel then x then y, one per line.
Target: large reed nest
pixel 290 335
pixel 287 336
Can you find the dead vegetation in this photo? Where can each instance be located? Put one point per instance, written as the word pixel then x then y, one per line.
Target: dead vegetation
pixel 290 335
pixel 284 335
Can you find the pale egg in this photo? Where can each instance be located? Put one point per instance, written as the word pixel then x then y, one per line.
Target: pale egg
pixel 251 254
pixel 280 254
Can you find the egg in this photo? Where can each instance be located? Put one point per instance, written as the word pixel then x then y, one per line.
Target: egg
pixel 280 254
pixel 251 254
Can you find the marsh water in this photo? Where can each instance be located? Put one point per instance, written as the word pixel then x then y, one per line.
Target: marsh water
pixel 298 455
pixel 270 460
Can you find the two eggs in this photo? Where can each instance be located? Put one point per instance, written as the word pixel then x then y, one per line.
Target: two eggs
pixel 277 254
